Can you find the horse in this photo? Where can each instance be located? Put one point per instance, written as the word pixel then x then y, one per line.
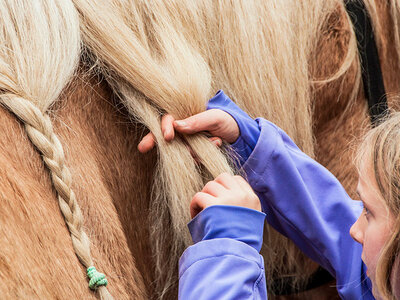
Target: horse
pixel 81 82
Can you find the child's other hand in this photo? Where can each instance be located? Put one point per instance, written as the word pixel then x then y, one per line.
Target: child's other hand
pixel 218 123
pixel 226 189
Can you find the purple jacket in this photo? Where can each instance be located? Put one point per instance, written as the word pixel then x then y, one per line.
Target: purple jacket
pixel 301 199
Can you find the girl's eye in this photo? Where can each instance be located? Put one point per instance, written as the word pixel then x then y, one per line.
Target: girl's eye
pixel 366 212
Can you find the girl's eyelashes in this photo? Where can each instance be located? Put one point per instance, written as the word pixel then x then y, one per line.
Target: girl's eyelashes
pixel 366 211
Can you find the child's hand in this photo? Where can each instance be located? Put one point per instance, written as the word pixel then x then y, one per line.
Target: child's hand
pixel 218 123
pixel 225 190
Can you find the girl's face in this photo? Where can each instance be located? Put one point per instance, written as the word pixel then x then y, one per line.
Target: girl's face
pixel 373 227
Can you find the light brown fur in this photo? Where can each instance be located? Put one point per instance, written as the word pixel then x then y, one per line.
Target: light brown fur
pixel 113 182
pixel 37 258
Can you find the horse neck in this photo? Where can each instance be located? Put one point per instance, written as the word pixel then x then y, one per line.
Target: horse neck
pixel 111 182
pixel 387 17
pixel 338 123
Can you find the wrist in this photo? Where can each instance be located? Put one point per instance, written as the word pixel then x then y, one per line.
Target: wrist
pixel 248 131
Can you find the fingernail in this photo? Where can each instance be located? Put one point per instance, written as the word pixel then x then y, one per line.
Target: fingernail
pixel 217 143
pixel 165 134
pixel 180 123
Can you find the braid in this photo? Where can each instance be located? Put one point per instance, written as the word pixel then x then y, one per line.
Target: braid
pixel 40 131
pixel 40 52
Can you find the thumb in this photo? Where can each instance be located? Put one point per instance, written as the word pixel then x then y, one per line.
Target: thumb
pixel 204 121
pixel 217 122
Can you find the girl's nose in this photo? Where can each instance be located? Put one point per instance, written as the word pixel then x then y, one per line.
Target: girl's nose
pixel 357 230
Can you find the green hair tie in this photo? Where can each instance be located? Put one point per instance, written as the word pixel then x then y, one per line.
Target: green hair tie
pixel 97 279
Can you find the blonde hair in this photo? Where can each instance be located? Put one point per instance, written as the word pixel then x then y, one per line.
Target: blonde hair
pixel 380 151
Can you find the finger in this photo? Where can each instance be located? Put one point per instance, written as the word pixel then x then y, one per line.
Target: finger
pixel 167 127
pixel 204 121
pixel 253 198
pixel 214 189
pixel 199 202
pixel 243 183
pixel 227 180
pixel 147 143
pixel 216 141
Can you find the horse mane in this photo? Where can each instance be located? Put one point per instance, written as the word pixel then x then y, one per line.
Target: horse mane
pixel 170 58
pixel 257 51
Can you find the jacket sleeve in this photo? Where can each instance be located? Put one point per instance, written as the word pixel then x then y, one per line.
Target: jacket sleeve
pixel 302 200
pixel 224 262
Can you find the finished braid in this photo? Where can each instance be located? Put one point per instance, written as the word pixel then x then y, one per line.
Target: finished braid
pixel 40 131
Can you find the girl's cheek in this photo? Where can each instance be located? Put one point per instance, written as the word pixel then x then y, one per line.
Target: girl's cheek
pixel 371 249
pixel 375 236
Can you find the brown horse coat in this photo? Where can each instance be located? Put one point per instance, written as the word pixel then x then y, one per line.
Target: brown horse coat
pixel 113 181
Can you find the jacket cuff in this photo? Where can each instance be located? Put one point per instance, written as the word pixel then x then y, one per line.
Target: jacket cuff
pixel 224 221
pixel 218 248
pixel 249 129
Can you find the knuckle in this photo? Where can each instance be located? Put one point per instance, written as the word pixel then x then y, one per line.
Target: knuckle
pixel 223 175
pixel 207 186
pixel 218 177
pixel 167 117
pixel 239 178
pixel 196 196
pixel 192 122
pixel 215 124
pixel 210 185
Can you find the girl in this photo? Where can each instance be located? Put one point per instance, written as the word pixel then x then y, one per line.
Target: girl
pixel 301 199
